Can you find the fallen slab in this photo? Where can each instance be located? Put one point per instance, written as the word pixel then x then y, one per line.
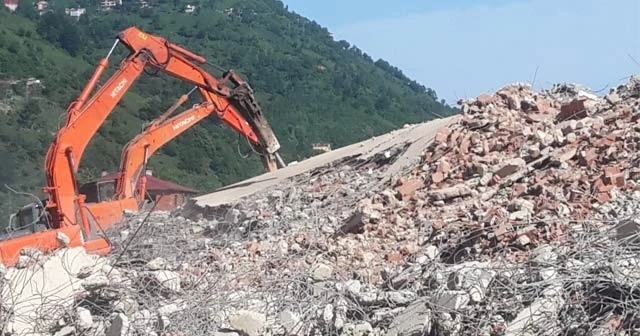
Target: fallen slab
pixel 415 136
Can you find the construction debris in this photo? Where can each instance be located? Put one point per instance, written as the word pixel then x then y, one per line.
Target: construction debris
pixel 521 219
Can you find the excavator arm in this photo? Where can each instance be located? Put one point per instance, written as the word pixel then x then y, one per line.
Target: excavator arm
pixel 164 129
pixel 231 96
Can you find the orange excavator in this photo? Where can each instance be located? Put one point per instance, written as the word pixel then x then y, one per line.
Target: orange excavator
pixel 63 218
pixel 130 184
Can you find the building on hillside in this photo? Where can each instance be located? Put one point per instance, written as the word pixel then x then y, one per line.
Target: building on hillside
pixel 189 8
pixel 75 12
pixel 12 5
pixel 322 147
pixel 167 195
pixel 144 4
pixel 109 4
pixel 43 7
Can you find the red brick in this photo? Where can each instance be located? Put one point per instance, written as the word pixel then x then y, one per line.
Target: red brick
pixel 604 142
pixel 576 109
pixel 395 258
pixel 619 180
pixel 444 167
pixel 611 171
pixel 409 187
pixel 484 99
pixel 543 105
pixel 519 189
pixel 465 144
pixel 589 157
pixel 442 135
pixel 603 197
pixel 453 139
pixel 600 186
pixel 253 247
pixel 437 177
pixel 486 147
pixel 408 249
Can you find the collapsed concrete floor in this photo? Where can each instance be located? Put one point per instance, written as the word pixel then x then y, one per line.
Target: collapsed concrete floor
pixel 519 217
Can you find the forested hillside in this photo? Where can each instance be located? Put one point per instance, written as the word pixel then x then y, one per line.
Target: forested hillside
pixel 311 87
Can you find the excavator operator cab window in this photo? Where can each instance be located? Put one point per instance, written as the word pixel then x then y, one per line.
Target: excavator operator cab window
pixel 106 190
pixel 29 219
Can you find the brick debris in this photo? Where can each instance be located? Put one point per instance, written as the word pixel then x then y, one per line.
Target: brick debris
pixel 521 219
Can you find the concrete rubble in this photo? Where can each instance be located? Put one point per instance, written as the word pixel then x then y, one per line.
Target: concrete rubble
pixel 519 219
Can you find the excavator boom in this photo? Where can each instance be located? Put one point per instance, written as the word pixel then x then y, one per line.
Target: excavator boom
pixel 130 184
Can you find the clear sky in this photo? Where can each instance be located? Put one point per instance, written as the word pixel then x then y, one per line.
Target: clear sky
pixel 462 48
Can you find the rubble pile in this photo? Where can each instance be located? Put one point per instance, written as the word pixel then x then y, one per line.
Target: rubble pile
pixel 521 219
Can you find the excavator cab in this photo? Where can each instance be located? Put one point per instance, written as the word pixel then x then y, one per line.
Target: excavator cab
pixel 29 219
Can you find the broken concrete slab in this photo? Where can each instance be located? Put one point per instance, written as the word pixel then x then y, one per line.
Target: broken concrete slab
pixel 420 134
pixel 30 290
pixel 415 320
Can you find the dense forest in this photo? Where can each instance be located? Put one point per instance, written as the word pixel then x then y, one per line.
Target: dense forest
pixel 311 87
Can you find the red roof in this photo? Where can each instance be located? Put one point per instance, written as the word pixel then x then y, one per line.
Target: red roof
pixel 154 184
pixel 11 2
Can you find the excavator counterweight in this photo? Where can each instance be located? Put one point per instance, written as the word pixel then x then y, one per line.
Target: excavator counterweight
pixel 43 225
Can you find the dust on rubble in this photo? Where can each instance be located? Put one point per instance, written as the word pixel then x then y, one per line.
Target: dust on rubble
pixel 521 219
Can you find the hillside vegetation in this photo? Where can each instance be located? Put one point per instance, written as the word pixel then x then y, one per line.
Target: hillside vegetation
pixel 311 87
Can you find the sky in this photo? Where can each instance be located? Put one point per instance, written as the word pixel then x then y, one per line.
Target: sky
pixel 462 48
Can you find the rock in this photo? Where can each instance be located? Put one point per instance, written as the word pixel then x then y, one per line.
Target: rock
pixel 452 300
pixel 353 286
pixel 63 239
pixel 415 320
pixel 510 167
pixel 233 216
pixel 327 313
pixel 120 326
pixel 321 272
pixel 124 234
pixel 401 298
pixel 520 204
pixel 541 314
pixel 360 329
pixel 95 281
pixel 249 322
pixel 65 331
pixel 167 279
pixel 524 240
pixel 227 333
pixel 291 322
pixel 157 264
pixel 369 298
pixel 543 255
pixel 431 252
pixel 126 305
pixel 84 320
pixel 85 272
pixel 474 278
pixel 459 190
pixel 613 98
pixel 168 309
pixel 628 231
